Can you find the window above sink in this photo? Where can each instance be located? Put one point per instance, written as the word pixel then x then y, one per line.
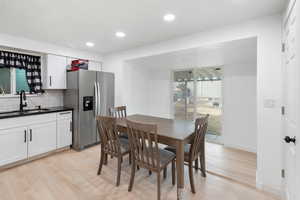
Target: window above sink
pixel 12 81
pixel 19 71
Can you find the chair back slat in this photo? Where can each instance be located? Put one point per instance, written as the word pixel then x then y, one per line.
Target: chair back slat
pixel 144 150
pixel 118 112
pixel 144 144
pixel 199 138
pixel 152 154
pixel 108 133
pixel 140 146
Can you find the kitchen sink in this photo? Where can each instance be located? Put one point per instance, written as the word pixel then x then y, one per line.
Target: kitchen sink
pixel 18 112
pixel 35 110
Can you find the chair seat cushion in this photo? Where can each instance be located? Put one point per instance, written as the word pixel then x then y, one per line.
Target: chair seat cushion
pixel 124 145
pixel 187 148
pixel 123 135
pixel 165 157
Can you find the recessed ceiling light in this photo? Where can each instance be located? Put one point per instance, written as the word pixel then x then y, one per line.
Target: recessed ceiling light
pixel 89 44
pixel 120 34
pixel 169 17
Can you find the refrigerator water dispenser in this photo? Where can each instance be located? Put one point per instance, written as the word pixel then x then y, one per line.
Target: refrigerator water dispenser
pixel 88 102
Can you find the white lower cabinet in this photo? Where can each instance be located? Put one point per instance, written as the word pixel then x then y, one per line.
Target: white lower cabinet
pixel 25 137
pixel 64 129
pixel 41 138
pixel 13 145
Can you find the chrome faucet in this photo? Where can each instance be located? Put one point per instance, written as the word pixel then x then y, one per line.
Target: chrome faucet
pixel 23 101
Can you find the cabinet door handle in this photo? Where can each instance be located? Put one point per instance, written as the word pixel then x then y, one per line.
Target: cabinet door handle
pixel 50 79
pixel 30 135
pixel 25 136
pixel 71 129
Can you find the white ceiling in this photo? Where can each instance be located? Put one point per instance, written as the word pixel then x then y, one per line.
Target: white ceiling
pixel 234 52
pixel 72 23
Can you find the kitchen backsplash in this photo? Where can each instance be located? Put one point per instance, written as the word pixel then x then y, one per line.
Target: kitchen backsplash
pixel 48 99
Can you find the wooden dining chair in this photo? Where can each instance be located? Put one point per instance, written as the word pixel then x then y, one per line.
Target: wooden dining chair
pixel 118 112
pixel 195 150
pixel 111 143
pixel 145 152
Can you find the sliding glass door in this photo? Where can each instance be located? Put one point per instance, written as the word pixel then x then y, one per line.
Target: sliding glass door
pixel 198 92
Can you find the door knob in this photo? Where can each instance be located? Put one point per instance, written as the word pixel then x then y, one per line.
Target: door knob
pixel 288 139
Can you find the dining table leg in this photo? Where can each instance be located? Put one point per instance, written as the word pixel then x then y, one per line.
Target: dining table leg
pixel 180 169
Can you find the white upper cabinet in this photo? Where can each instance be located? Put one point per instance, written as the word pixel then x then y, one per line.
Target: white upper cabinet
pixel 55 74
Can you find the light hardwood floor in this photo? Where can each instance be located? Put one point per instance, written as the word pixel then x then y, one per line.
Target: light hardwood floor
pixel 72 175
pixel 231 163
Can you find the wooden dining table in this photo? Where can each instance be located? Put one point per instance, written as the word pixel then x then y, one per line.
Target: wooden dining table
pixel 175 133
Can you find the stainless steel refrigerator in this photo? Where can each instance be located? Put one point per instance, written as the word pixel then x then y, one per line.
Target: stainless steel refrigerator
pixel 89 93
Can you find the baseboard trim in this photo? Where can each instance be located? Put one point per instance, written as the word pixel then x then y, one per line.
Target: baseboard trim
pixel 22 162
pixel 285 194
pixel 230 179
pixel 271 190
pixel 234 146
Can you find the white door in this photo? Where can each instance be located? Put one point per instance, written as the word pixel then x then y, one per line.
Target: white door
pixel 41 138
pixel 13 145
pixel 291 71
pixel 56 72
pixel 64 132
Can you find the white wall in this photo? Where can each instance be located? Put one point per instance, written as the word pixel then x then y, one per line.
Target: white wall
pixel 137 87
pixel 239 107
pixel 268 32
pixel 160 93
pixel 145 93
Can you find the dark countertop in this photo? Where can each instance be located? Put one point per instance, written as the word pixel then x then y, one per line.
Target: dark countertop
pixel 11 114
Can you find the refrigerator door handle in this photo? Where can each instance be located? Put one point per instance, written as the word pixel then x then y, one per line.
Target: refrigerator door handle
pixel 99 99
pixel 96 99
